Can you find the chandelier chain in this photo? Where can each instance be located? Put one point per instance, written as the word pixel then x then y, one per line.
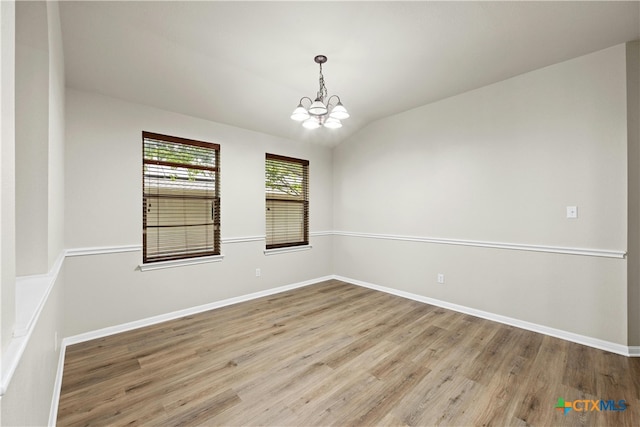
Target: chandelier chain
pixel 322 92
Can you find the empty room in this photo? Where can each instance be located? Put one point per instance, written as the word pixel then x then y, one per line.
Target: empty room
pixel 320 213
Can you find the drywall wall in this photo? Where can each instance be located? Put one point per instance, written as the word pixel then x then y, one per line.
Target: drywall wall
pixel 7 183
pixel 32 138
pixel 103 208
pixel 7 172
pixel 30 365
pixel 56 137
pixel 633 168
pixel 28 398
pixel 39 137
pixel 498 164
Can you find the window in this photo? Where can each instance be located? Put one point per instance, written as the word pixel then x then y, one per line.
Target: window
pixel 287 201
pixel 181 198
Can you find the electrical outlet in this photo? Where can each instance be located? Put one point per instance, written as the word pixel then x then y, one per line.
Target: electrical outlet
pixel 440 278
pixel 572 212
pixel 258 272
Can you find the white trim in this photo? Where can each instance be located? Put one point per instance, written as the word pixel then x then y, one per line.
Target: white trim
pixel 288 249
pixel 98 250
pixel 10 359
pixel 76 339
pixel 100 333
pixel 57 386
pixel 180 262
pixel 606 253
pixel 545 330
pixel 111 330
pixel 31 294
pixel 28 312
pixel 242 239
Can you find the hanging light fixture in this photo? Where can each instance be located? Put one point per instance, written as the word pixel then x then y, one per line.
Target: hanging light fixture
pixel 321 111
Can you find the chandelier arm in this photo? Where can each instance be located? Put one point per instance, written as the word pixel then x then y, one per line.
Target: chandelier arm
pixel 308 99
pixel 329 101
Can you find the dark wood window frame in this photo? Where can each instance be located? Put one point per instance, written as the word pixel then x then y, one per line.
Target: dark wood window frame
pixel 180 198
pixel 292 203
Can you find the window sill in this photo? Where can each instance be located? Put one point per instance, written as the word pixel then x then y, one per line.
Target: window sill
pixel 180 262
pixel 286 250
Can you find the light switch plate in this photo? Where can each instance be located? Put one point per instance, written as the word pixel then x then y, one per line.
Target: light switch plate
pixel 572 212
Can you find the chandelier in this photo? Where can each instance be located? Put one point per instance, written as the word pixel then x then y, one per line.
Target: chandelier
pixel 320 112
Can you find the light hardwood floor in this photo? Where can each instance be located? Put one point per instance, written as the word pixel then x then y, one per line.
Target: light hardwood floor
pixel 339 354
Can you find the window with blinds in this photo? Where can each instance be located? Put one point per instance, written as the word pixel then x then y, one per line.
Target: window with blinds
pixel 287 201
pixel 181 198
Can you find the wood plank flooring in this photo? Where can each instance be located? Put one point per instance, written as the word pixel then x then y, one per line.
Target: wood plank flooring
pixel 338 354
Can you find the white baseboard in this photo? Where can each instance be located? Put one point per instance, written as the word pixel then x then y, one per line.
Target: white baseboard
pixel 57 387
pixel 111 330
pixel 632 351
pixel 545 330
pixel 100 333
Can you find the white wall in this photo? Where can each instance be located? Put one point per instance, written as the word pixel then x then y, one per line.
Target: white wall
pixel 7 172
pixel 633 168
pixel 56 137
pixel 33 352
pixel 103 208
pixel 27 401
pixel 498 164
pixel 32 129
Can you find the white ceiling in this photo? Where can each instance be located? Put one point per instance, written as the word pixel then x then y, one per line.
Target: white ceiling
pixel 247 64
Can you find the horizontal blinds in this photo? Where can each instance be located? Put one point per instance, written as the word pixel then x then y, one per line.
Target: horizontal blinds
pixel 181 204
pixel 287 201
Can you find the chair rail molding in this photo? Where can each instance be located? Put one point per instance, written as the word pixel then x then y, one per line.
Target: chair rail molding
pixel 605 253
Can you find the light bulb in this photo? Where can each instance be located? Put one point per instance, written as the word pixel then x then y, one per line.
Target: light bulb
pixel 300 113
pixel 339 112
pixel 332 123
pixel 317 108
pixel 311 123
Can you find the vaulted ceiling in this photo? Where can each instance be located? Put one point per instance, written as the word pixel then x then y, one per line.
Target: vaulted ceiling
pixel 247 64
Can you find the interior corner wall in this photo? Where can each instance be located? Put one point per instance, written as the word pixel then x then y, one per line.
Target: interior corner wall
pixel 633 135
pixel 103 210
pixel 28 395
pixel 498 164
pixel 7 173
pixel 56 137
pixel 32 138
pixel 39 137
